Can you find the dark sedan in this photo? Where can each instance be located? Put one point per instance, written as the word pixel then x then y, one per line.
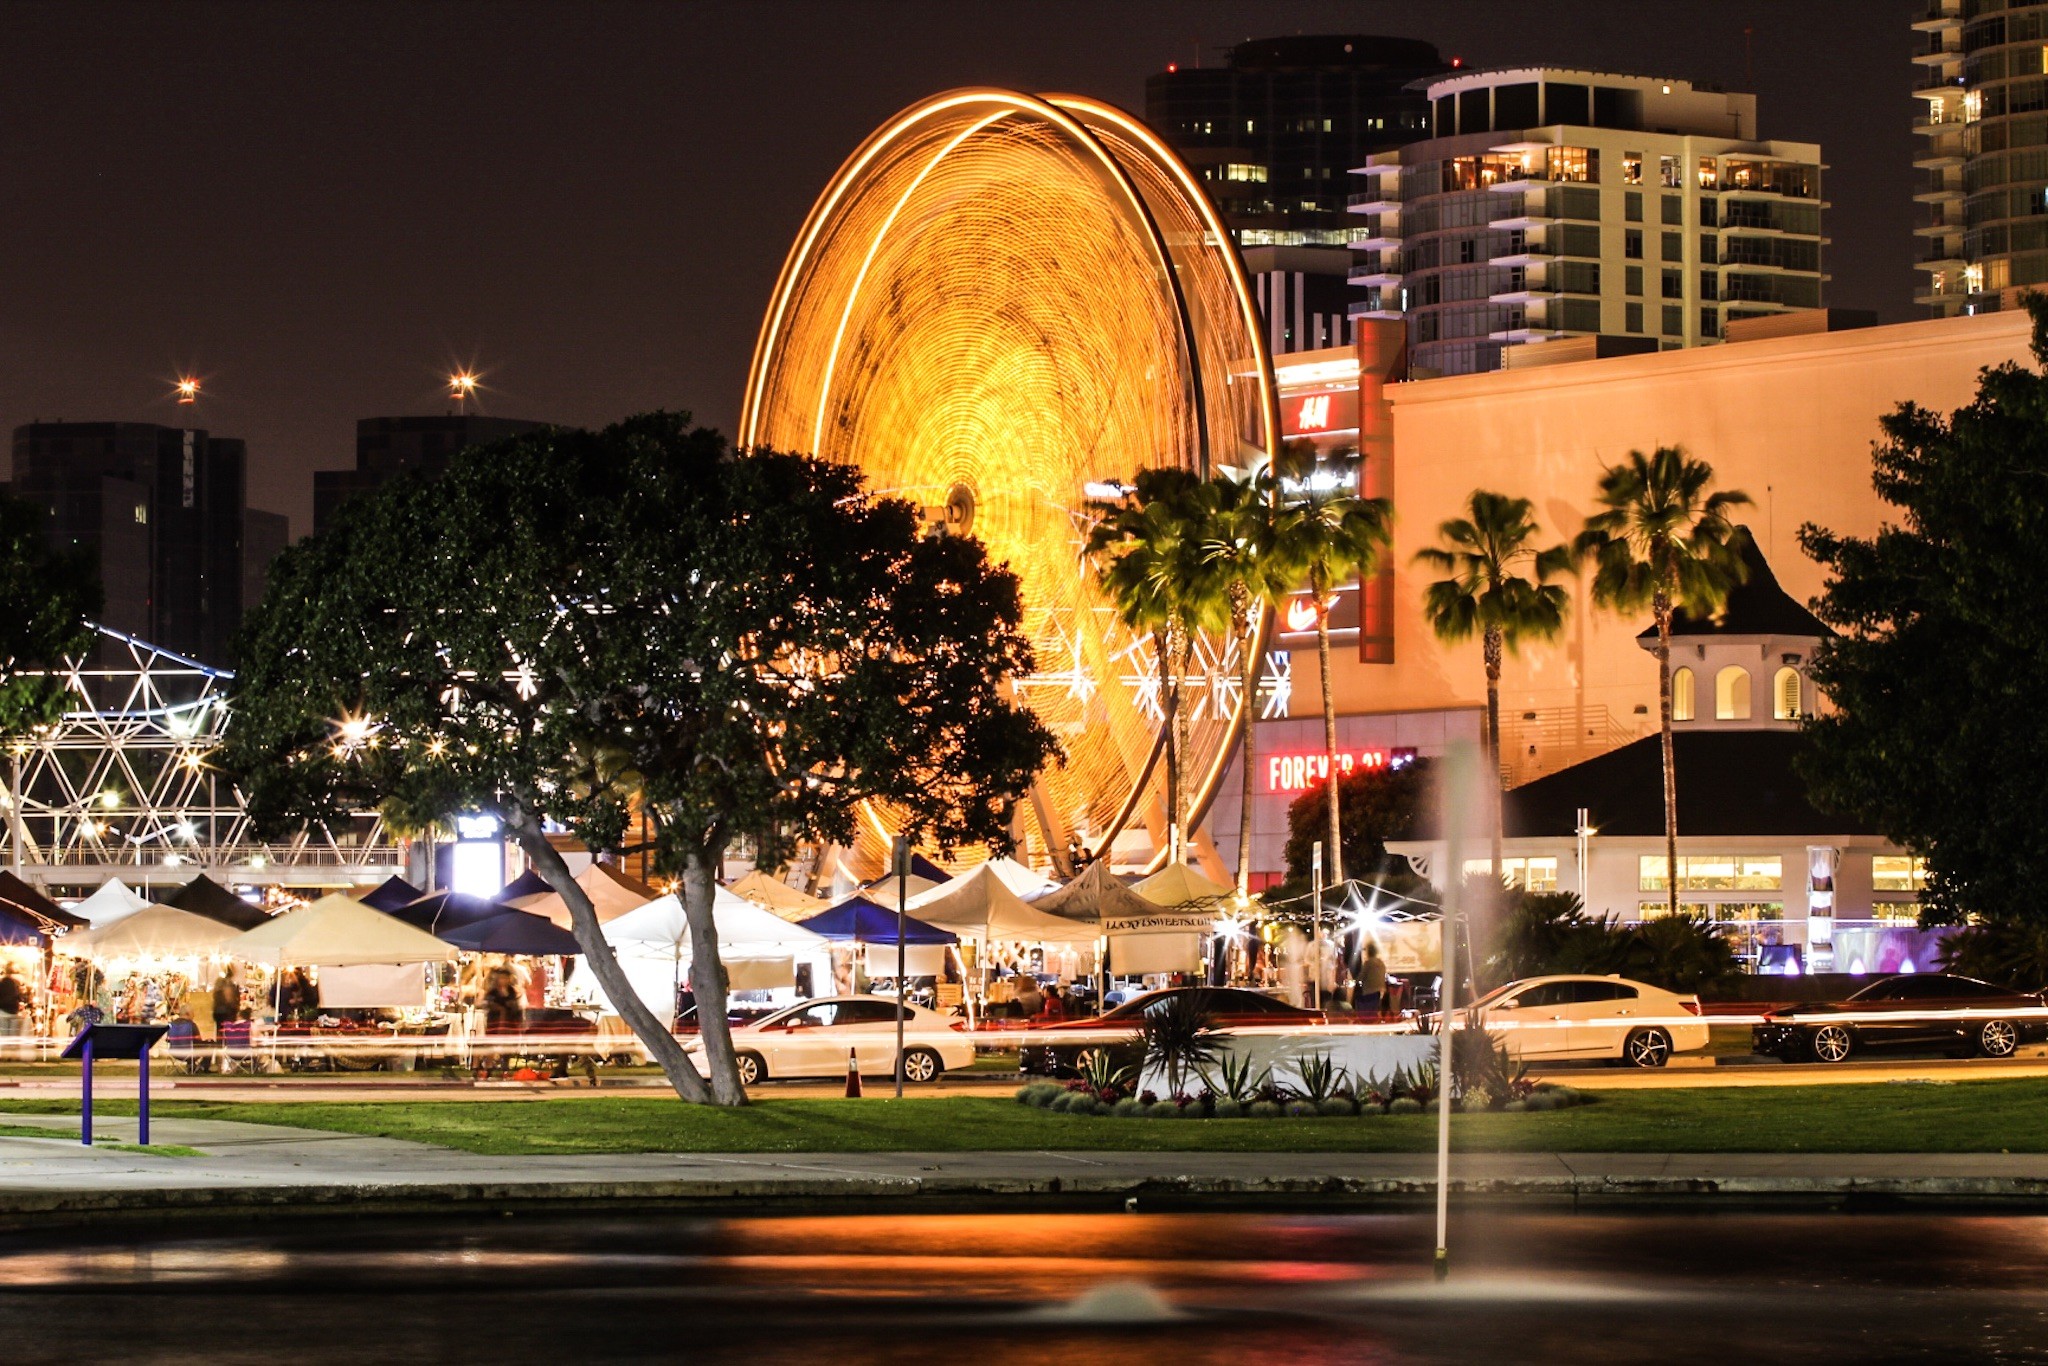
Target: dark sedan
pixel 1227 1007
pixel 1925 1010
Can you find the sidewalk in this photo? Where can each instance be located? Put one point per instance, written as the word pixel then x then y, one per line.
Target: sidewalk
pixel 248 1167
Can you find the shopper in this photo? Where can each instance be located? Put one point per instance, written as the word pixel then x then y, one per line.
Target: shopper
pixel 12 1001
pixel 1372 981
pixel 1030 1000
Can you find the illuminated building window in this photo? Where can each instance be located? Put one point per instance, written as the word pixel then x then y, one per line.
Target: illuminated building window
pixel 1684 694
pixel 1709 178
pixel 1731 694
pixel 1785 697
pixel 1572 163
pixel 1667 173
pixel 1238 170
pixel 1525 874
pixel 1714 873
pixel 1898 873
pixel 1631 168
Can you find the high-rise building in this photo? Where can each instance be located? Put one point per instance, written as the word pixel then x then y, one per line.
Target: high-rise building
pixel 386 446
pixel 161 509
pixel 1985 121
pixel 1552 203
pixel 1273 134
pixel 264 537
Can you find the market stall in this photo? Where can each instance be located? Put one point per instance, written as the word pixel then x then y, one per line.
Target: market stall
pixel 859 925
pixel 1002 934
pixel 761 952
pixel 153 964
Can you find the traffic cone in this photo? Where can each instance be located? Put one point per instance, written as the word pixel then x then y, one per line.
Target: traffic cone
pixel 852 1076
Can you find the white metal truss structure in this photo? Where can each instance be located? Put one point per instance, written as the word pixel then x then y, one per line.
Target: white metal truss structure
pixel 124 786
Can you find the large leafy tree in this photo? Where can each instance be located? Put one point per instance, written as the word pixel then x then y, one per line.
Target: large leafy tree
pixel 1486 592
pixel 1935 673
pixel 49 598
pixel 1661 540
pixel 572 628
pixel 1379 804
pixel 1150 555
pixel 1333 535
pixel 1244 546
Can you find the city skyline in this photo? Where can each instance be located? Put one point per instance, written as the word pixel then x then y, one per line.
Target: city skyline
pixel 382 196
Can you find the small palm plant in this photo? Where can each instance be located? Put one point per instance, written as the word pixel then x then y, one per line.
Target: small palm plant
pixel 1181 1038
pixel 1241 1079
pixel 1099 1069
pixel 1321 1078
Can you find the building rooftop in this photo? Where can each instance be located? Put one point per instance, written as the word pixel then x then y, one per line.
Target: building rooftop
pixel 1756 607
pixel 1731 784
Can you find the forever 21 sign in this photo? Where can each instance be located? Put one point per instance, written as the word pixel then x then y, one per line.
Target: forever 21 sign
pixel 1300 772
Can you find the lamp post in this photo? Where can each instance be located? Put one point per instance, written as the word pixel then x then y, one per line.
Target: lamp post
pixel 899 852
pixel 1315 865
pixel 1459 790
pixel 461 386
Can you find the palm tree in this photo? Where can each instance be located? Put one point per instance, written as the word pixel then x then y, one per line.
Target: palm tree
pixel 1243 545
pixel 1483 554
pixel 1333 536
pixel 1663 542
pixel 1147 551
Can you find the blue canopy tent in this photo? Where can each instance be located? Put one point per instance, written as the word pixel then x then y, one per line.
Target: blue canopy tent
pixel 391 894
pixel 514 932
pixel 439 911
pixel 16 928
pixel 863 922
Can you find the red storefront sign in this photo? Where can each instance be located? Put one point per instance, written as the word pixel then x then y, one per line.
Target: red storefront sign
pixel 1316 414
pixel 1300 772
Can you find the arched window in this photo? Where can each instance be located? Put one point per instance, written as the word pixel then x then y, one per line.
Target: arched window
pixel 1785 695
pixel 1731 694
pixel 1684 695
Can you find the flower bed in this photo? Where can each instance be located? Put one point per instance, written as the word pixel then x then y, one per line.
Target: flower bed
pixel 1485 1082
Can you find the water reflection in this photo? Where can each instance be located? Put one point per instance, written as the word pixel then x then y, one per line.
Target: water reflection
pixel 1178 1288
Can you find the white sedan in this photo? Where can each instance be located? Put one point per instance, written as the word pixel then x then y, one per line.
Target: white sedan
pixel 815 1039
pixel 1592 1017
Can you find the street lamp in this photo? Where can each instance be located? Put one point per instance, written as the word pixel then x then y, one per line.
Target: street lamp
pixel 188 390
pixel 461 387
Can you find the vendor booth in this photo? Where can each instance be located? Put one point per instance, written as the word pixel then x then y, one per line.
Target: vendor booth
pixel 761 952
pixel 390 894
pixel 113 900
pixel 203 896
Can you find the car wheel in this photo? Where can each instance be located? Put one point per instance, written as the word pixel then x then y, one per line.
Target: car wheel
pixel 922 1065
pixel 1998 1039
pixel 1646 1048
pixel 751 1068
pixel 1832 1043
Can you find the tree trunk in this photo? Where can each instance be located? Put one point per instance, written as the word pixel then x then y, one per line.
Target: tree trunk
pixel 1248 699
pixel 1662 606
pixel 654 1036
pixel 1181 660
pixel 1169 707
pixel 708 980
pixel 1492 647
pixel 1333 858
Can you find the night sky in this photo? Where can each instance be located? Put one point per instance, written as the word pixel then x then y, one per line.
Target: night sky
pixel 322 208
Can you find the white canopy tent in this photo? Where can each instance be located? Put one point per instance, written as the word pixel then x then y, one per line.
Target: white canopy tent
pixel 611 893
pixel 1014 876
pixel 152 932
pixel 1177 884
pixel 883 892
pixel 779 897
pixel 336 931
pixel 759 949
pixel 981 905
pixel 112 901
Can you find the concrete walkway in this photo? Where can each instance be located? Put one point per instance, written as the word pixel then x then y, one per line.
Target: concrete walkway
pixel 247 1167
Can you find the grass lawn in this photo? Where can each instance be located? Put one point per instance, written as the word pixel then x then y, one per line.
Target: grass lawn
pixel 1983 1116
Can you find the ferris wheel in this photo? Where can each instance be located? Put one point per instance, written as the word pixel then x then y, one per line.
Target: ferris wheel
pixel 999 305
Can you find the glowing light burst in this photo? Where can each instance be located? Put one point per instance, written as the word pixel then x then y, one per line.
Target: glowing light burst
pixel 1000 305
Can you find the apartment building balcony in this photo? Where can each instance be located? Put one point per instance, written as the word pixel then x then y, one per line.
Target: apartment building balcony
pixel 1374 276
pixel 1373 201
pixel 1940 18
pixel 1941 196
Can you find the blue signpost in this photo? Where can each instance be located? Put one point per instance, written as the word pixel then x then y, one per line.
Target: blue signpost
pixel 113 1041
